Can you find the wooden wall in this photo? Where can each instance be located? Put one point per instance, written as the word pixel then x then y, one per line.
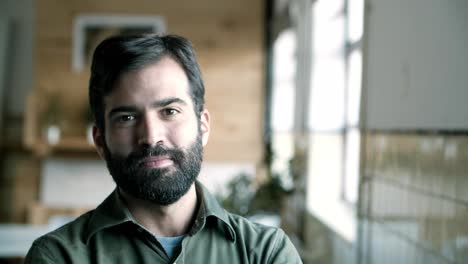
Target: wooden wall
pixel 19 184
pixel 228 39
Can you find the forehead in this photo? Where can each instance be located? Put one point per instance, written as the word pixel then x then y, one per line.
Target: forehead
pixel 156 81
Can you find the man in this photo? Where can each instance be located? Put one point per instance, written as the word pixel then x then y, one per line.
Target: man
pixel 147 96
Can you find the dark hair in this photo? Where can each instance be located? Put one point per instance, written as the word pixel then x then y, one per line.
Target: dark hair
pixel 120 54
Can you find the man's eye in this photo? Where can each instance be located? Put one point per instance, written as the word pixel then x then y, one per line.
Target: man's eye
pixel 170 112
pixel 125 118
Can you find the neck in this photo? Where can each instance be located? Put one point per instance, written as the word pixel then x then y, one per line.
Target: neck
pixel 164 220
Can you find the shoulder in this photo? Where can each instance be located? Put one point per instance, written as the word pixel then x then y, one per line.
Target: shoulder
pixel 73 232
pixel 249 230
pixel 52 247
pixel 263 242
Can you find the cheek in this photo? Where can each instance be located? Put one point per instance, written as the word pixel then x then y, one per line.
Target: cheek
pixel 184 134
pixel 120 141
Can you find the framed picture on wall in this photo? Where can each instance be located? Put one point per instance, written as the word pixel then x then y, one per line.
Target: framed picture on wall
pixel 90 30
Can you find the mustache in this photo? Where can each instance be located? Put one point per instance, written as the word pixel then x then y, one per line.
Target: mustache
pixel 159 150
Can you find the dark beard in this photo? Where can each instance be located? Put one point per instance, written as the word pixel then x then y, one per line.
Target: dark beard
pixel 161 186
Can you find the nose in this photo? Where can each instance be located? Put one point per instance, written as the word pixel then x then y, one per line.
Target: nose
pixel 152 130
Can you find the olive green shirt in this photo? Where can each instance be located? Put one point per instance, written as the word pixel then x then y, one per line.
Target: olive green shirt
pixel 110 234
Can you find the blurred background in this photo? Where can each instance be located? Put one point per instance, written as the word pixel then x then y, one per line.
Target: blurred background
pixel 342 121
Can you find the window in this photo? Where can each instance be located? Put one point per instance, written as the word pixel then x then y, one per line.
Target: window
pixel 333 121
pixel 317 91
pixel 353 59
pixel 283 100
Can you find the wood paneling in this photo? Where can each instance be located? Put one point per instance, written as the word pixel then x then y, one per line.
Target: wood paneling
pixel 19 185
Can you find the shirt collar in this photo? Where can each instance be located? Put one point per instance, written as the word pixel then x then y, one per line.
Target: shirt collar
pixel 113 211
pixel 209 208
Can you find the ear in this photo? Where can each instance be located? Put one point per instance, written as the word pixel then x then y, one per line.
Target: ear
pixel 205 126
pixel 98 137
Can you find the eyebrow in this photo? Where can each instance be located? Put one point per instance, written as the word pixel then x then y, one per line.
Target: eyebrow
pixel 156 104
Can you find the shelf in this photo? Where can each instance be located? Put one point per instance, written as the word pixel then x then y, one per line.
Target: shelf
pixel 74 144
pixel 33 139
pixel 16 239
pixel 68 146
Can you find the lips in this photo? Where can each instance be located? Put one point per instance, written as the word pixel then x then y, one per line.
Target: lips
pixel 157 161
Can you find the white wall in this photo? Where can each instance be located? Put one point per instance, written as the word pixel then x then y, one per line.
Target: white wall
pixel 417 64
pixel 19 14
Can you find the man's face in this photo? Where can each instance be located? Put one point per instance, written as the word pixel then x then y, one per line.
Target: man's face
pixel 153 140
